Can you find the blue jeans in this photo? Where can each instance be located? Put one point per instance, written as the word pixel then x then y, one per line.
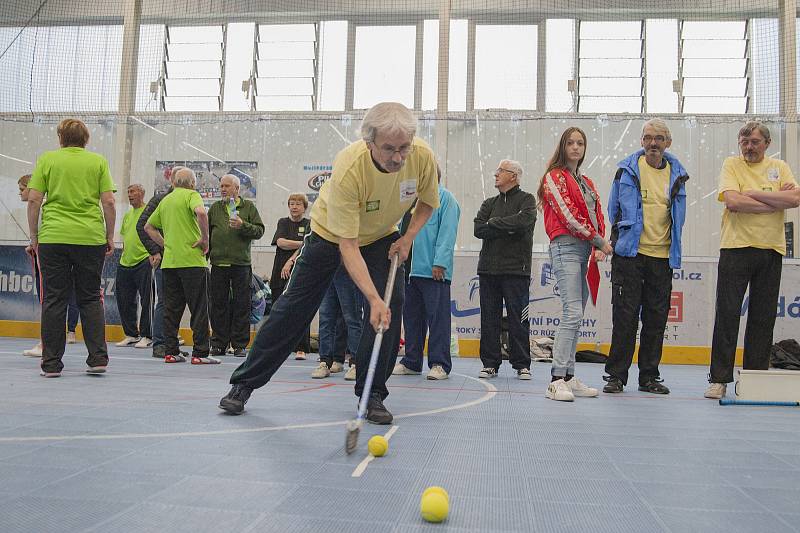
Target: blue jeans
pixel 427 309
pixel 569 258
pixel 342 299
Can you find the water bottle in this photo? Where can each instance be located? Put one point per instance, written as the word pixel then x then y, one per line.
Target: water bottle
pixel 232 208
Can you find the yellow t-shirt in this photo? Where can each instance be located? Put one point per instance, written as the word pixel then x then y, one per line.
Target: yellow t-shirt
pixel 360 201
pixel 756 230
pixel 657 222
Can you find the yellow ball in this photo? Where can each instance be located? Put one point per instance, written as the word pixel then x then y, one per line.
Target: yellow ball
pixel 378 446
pixel 438 490
pixel 434 506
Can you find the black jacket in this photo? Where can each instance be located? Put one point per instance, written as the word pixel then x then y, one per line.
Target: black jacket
pixel 149 244
pixel 505 224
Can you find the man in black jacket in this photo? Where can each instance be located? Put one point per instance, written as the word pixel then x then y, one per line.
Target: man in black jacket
pixel 156 252
pixel 505 224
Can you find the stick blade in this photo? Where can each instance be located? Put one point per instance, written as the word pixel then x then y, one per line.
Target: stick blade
pixel 351 438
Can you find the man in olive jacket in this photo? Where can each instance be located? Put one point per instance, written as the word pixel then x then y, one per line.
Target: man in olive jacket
pixel 505 225
pixel 234 223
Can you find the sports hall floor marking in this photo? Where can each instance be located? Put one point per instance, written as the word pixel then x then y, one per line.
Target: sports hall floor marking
pixel 368 459
pixel 491 392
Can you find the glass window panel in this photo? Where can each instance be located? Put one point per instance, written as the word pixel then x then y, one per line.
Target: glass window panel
pixel 505 67
pixel 430 64
pixel 286 50
pixel 284 86
pixel 714 30
pixel 714 68
pixel 615 29
pixel 765 88
pixel 286 32
pixel 457 82
pixel 714 105
pixel 239 50
pixel 560 64
pixel 195 87
pixel 151 57
pixel 661 65
pixel 611 68
pixel 194 52
pixel 283 103
pixel 611 86
pixel 714 49
pixel 332 67
pixel 606 104
pixel 184 103
pixel 194 69
pixel 195 34
pixel 714 87
pixel 610 48
pixel 384 65
pixel 283 68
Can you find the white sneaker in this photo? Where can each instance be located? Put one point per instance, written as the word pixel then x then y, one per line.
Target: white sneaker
pixel 144 342
pixel 71 337
pixel 716 391
pixel 300 356
pixel 350 375
pixel 321 372
pixel 402 370
pixel 559 390
pixel 336 367
pixel 36 351
pixel 580 389
pixel 437 372
pixel 128 341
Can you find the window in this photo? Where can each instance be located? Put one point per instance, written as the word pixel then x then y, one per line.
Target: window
pixel 333 65
pixel 384 65
pixel 714 67
pixel 505 66
pixel 193 68
pixel 560 64
pixel 457 62
pixel 286 67
pixel 661 65
pixel 610 67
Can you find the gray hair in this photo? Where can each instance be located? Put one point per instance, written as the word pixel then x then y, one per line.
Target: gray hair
pixel 388 117
pixel 236 181
pixel 184 178
pixel 751 126
pixel 659 125
pixel 136 186
pixel 514 166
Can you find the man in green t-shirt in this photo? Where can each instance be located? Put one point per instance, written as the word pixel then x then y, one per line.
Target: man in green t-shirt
pixel 133 276
pixel 182 217
pixel 74 238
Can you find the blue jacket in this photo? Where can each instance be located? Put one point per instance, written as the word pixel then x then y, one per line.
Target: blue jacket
pixel 625 207
pixel 435 243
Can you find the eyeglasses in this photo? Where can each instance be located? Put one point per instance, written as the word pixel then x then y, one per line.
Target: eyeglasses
pixel 389 151
pixel 501 169
pixel 657 138
pixel 750 142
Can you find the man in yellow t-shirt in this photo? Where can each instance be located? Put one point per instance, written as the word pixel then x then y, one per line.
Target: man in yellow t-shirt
pixel 354 222
pixel 756 190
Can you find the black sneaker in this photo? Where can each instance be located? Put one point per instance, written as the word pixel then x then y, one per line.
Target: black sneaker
pixel 233 402
pixel 239 352
pixel 216 352
pixel 654 386
pixel 377 413
pixel 613 385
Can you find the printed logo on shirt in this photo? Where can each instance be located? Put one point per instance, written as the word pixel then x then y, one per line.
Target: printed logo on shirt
pixel 773 174
pixel 644 193
pixel 408 190
pixel 373 206
pixel 766 188
pixel 301 229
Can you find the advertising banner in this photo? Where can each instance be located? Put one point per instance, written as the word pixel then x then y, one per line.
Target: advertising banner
pixel 208 175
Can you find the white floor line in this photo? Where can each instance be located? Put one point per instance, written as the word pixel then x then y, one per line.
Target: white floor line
pixel 368 459
pixel 491 392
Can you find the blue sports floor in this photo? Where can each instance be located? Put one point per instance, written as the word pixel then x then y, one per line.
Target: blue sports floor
pixel 145 448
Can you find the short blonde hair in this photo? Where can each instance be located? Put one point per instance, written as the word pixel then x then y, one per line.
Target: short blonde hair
pixel 388 117
pixel 298 197
pixel 184 178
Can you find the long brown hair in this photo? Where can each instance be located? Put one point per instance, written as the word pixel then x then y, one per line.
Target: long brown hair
pixel 559 159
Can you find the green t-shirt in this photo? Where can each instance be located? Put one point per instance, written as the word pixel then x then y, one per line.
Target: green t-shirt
pixel 175 217
pixel 133 251
pixel 72 180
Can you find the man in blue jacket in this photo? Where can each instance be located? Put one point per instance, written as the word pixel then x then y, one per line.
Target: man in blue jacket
pixel 427 305
pixel 647 208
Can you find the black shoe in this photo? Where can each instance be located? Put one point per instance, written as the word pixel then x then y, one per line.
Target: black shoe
pixel 654 386
pixel 234 402
pixel 377 413
pixel 216 352
pixel 160 351
pixel 239 352
pixel 613 385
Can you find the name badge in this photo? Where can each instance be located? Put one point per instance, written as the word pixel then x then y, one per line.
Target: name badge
pixel 766 188
pixel 301 229
pixel 373 206
pixel 408 190
pixel 773 174
pixel 644 193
